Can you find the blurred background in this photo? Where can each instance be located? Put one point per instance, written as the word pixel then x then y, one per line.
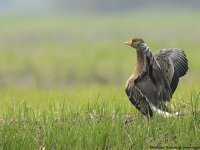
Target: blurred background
pixel 48 44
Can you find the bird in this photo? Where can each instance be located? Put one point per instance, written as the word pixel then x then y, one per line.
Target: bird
pixel 155 78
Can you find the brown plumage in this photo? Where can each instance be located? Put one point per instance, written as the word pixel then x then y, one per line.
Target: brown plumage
pixel 155 78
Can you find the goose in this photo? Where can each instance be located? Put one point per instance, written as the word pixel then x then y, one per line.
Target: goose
pixel 155 78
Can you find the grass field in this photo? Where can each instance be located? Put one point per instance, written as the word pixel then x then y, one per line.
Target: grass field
pixel 62 82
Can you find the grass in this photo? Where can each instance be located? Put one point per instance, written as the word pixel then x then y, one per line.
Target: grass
pixel 62 83
pixel 99 121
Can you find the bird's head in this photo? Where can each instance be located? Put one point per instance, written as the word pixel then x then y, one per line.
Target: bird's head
pixel 134 42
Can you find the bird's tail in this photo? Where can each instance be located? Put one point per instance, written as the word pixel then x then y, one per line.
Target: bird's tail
pixel 165 112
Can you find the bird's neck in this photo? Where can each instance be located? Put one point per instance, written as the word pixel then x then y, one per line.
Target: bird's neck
pixel 139 64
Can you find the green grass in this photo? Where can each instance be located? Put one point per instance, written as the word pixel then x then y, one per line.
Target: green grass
pixel 98 120
pixel 62 82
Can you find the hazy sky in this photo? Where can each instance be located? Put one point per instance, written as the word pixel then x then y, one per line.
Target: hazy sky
pixel 99 6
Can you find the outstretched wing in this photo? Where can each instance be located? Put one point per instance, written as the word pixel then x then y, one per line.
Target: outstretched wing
pixel 142 94
pixel 173 63
pixel 138 98
pixel 148 88
pixel 163 89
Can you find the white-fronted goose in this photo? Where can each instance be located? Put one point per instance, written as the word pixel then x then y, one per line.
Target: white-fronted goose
pixel 155 78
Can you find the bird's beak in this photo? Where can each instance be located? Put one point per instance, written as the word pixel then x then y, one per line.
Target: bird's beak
pixel 128 43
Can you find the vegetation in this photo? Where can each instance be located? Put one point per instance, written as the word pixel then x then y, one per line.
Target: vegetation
pixel 62 82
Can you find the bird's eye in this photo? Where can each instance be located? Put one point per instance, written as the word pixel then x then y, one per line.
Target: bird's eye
pixel 133 41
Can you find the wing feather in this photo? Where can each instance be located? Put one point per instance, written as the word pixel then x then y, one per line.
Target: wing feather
pixel 148 89
pixel 138 99
pixel 174 64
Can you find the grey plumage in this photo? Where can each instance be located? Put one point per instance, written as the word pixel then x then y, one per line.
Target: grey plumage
pixel 155 78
